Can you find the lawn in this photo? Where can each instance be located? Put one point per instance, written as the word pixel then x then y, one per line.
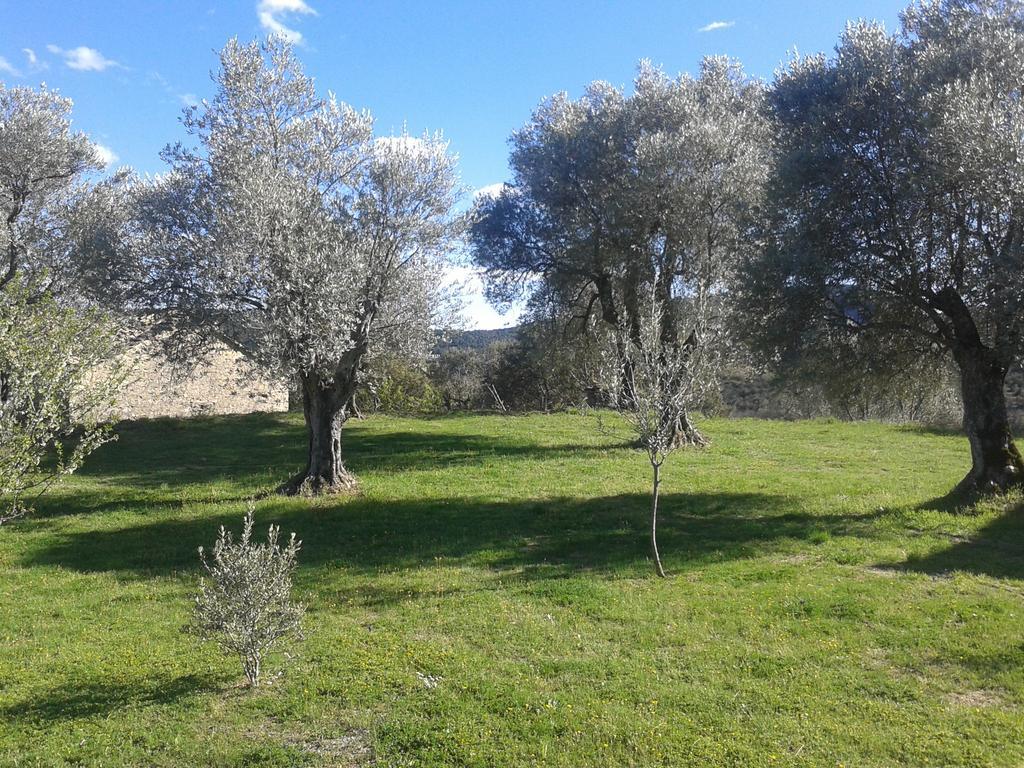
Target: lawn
pixel 487 600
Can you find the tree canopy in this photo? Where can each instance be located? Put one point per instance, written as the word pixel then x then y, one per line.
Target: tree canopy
pixel 292 234
pixel 54 217
pixel 613 194
pixel 897 226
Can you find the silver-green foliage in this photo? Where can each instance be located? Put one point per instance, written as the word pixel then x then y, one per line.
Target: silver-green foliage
pixel 54 220
pixel 292 234
pixel 616 195
pixel 895 219
pixel 244 601
pixel 52 407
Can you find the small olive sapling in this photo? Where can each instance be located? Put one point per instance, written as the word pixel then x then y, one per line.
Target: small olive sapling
pixel 244 601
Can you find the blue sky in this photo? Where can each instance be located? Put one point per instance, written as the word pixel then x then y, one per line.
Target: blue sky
pixel 473 69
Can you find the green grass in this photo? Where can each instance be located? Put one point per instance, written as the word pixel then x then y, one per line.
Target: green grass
pixel 488 601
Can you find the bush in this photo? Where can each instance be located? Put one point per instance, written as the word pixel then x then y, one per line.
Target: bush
pixel 404 389
pixel 458 374
pixel 54 402
pixel 244 602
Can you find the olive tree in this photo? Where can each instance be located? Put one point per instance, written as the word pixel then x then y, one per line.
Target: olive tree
pixel 245 598
pixel 898 221
pixel 53 220
pixel 53 404
pixel 615 194
pixel 292 234
pixel 665 381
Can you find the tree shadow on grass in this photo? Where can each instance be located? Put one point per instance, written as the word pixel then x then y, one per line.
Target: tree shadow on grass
pixel 939 430
pixel 154 469
pixel 73 701
pixel 264 449
pixel 398 451
pixel 56 505
pixel 953 502
pixel 995 550
pixel 561 536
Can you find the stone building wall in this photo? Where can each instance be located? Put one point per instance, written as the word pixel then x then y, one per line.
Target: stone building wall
pixel 223 383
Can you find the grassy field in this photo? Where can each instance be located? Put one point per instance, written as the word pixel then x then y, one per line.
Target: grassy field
pixel 488 601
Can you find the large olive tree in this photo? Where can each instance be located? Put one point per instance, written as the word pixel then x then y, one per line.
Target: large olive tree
pixel 613 194
pixel 898 223
pixel 293 235
pixel 54 218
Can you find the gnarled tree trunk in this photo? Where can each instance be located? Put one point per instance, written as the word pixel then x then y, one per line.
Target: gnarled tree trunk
pixel 686 434
pixel 325 407
pixel 996 463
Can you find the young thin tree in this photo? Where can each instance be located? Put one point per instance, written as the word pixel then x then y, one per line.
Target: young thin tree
pixel 898 222
pixel 293 235
pixel 53 222
pixel 665 381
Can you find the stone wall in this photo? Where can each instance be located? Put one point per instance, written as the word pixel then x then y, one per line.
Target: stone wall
pixel 223 383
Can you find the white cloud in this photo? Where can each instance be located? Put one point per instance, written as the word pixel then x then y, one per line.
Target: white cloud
pixel 105 154
pixel 83 58
pixel 6 66
pixel 271 13
pixel 189 99
pixel 716 25
pixel 32 61
pixel 478 313
pixel 491 190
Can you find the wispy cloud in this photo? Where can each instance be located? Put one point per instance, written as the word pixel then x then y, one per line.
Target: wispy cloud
pixel 716 25
pixel 186 98
pixel 490 191
pixel 83 58
pixel 8 68
pixel 272 12
pixel 106 155
pixel 32 61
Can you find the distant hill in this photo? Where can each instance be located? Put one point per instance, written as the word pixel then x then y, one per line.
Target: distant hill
pixel 477 339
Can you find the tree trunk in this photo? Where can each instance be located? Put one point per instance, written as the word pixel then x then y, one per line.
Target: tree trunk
pixel 685 434
pixel 996 462
pixel 251 667
pixel 353 407
pixel 654 519
pixel 325 407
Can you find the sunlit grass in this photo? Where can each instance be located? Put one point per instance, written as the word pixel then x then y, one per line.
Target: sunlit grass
pixel 487 601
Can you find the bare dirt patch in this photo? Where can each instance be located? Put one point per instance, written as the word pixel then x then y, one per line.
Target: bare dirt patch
pixel 980 698
pixel 352 750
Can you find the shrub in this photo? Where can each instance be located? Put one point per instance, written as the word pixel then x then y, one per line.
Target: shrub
pixel 54 400
pixel 406 389
pixel 244 601
pixel 459 375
